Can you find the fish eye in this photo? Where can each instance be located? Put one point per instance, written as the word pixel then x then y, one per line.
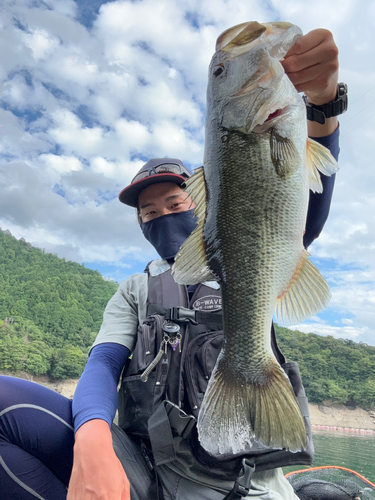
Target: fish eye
pixel 219 69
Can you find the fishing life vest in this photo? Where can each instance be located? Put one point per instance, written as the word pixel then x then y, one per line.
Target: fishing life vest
pixel 164 381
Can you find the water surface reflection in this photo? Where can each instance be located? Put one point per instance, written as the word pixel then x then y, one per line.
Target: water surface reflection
pixel 353 451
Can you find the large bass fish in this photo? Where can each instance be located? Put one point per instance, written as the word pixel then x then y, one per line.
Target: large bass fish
pixel 251 200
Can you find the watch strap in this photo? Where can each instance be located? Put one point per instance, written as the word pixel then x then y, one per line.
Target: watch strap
pixel 320 113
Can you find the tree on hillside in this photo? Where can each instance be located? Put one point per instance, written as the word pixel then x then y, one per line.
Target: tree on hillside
pixel 68 362
pixel 336 369
pixel 57 303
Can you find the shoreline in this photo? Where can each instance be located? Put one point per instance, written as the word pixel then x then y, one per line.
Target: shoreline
pixel 323 416
pixel 338 417
pixel 342 429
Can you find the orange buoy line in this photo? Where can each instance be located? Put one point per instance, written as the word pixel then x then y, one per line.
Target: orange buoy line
pixel 331 467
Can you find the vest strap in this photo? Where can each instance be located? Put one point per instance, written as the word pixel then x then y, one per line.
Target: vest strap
pixel 242 483
pixel 167 421
pixel 185 315
pixel 161 438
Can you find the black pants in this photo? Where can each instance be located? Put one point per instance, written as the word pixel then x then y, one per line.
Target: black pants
pixel 36 446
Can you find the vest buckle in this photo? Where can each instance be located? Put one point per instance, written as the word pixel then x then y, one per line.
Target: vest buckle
pixel 242 483
pixel 182 314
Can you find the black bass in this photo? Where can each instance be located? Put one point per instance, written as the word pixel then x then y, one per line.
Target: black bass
pixel 251 200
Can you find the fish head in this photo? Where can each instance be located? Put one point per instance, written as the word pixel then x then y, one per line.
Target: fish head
pixel 248 89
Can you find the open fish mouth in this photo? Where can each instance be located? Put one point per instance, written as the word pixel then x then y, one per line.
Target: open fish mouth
pixel 261 125
pixel 277 113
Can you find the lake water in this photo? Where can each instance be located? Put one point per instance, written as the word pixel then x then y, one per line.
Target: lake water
pixel 349 450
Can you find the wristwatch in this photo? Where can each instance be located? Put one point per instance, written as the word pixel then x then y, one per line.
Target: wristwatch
pixel 319 114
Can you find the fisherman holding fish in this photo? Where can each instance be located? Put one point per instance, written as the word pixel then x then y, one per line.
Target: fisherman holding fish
pixel 241 224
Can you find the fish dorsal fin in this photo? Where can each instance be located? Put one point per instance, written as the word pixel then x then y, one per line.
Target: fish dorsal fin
pixel 190 265
pixel 284 154
pixel 307 294
pixel 319 159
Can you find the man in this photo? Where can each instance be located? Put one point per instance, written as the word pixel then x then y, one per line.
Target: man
pixel 96 472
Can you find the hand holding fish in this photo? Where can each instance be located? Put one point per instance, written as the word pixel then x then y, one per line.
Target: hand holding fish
pixel 312 66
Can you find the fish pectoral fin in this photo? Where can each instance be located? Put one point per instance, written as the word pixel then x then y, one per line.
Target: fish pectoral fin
pixel 237 413
pixel 307 294
pixel 284 154
pixel 190 265
pixel 318 159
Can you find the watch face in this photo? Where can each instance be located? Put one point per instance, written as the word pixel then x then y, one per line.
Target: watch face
pixel 342 89
pixel 342 96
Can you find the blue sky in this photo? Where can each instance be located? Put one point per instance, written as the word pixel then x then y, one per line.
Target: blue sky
pixel 90 90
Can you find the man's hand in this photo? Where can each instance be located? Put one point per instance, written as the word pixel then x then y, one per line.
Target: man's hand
pixel 97 473
pixel 312 66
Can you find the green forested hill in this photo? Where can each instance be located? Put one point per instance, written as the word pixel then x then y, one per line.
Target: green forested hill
pixel 336 369
pixel 50 310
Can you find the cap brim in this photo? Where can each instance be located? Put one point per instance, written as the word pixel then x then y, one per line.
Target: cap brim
pixel 129 195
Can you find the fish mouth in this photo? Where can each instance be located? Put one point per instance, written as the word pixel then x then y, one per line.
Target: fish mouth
pixel 272 119
pixel 277 113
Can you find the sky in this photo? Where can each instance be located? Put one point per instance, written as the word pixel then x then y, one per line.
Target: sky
pixel 91 90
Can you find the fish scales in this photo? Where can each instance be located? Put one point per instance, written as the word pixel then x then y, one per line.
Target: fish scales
pixel 251 202
pixel 252 281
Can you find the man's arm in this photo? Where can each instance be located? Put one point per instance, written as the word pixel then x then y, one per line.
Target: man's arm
pixel 320 203
pixel 312 66
pixel 97 472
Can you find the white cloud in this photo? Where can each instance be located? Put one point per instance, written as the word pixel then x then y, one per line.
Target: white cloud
pixel 133 133
pixel 40 42
pixel 339 332
pixel 73 136
pixel 60 163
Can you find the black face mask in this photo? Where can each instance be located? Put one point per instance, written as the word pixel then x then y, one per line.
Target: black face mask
pixel 167 233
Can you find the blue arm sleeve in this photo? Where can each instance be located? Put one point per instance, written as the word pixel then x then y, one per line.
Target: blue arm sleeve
pixel 96 392
pixel 319 203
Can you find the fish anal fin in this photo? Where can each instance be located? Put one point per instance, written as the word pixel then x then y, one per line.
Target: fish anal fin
pixel 284 154
pixel 236 414
pixel 190 265
pixel 307 294
pixel 318 159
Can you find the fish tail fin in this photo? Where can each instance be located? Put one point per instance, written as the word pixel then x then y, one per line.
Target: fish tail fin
pixel 278 420
pixel 236 413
